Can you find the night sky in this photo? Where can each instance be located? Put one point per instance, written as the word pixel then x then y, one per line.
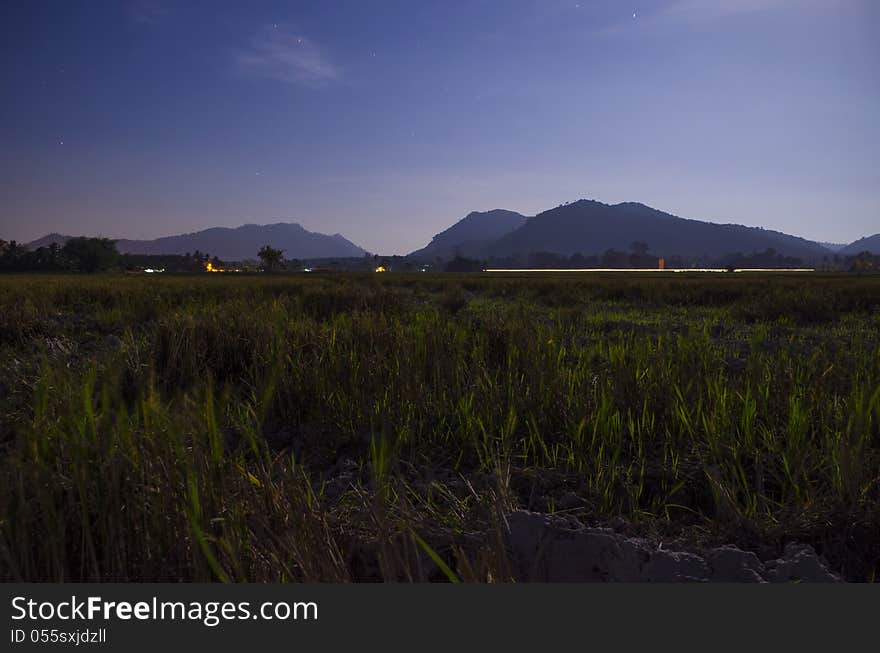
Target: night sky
pixel 388 121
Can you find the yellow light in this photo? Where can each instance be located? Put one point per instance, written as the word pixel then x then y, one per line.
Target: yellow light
pixel 381 268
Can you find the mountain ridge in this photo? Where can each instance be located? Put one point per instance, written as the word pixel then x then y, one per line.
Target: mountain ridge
pixel 866 244
pixel 468 235
pixel 587 227
pixel 590 227
pixel 236 243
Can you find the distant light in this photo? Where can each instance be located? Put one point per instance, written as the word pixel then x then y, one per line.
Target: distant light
pixel 381 268
pixel 775 270
pixel 625 270
pixel 607 270
pixel 307 269
pixel 151 270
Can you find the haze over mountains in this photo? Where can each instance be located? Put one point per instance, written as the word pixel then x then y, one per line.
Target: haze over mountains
pixel 586 227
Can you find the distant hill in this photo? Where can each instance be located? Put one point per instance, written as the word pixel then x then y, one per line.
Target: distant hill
pixel 470 235
pixel 237 243
pixel 867 244
pixel 591 227
pixel 47 240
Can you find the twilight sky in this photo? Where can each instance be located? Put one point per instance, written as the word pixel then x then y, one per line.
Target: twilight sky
pixel 389 120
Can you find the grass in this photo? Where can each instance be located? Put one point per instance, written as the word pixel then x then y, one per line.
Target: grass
pixel 378 427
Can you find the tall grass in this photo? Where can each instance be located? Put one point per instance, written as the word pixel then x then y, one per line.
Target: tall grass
pixel 356 428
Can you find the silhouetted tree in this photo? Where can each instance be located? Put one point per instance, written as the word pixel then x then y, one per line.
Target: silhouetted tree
pixel 614 259
pixel 863 262
pixel 91 254
pixel 270 257
pixel 639 248
pixel 461 264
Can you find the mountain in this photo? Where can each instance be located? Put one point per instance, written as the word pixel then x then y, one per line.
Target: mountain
pixel 470 235
pixel 867 244
pixel 47 240
pixel 591 227
pixel 234 244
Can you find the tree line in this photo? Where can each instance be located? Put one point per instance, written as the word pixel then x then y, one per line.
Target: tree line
pixel 638 257
pixel 77 254
pixel 91 255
